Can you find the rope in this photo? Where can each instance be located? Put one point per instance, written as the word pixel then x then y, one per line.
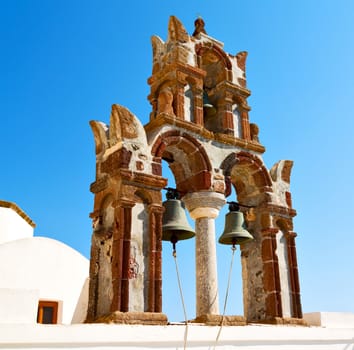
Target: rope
pixel 182 299
pixel 226 297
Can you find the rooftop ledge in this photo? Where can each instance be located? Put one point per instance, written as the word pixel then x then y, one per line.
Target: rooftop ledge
pixel 330 319
pixel 108 336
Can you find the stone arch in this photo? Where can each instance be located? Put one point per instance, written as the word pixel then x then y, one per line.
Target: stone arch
pixel 208 50
pixel 216 65
pixel 248 175
pixel 143 196
pixel 187 160
pixel 251 180
pixel 285 225
pixel 217 68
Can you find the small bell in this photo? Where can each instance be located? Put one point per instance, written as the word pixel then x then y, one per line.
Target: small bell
pixel 234 232
pixel 175 226
pixel 208 108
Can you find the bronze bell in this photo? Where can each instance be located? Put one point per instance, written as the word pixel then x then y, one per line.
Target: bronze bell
pixel 175 226
pixel 208 108
pixel 234 232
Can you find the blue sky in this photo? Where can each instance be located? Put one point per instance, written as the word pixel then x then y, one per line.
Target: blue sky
pixel 64 63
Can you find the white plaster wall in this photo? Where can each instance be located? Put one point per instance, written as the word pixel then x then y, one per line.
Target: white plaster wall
pixel 80 311
pixel 190 50
pixel 13 226
pixel 237 121
pixel 103 336
pixel 188 104
pixel 237 72
pixel 18 305
pixel 48 266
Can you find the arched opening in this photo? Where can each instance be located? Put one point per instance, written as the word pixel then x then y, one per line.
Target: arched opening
pixel 171 302
pixel 249 178
pixel 234 304
pixel 211 64
pixel 187 168
pixel 217 67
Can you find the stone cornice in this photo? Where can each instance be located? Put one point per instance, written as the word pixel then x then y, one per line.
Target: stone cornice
pixel 151 181
pixel 166 119
pixel 145 180
pixel 99 185
pixel 234 141
pixel 231 87
pixel 172 68
pixel 277 209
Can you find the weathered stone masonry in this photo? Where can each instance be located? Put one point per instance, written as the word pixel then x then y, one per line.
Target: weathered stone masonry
pixel 199 125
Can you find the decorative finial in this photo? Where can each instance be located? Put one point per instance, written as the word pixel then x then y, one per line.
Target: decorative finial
pixel 199 26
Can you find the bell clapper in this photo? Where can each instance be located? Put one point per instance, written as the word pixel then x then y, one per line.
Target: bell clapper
pixel 174 240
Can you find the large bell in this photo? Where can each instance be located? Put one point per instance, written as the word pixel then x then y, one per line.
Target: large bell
pixel 175 226
pixel 234 232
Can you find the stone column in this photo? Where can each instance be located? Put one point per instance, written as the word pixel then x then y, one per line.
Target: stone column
pixel 271 279
pixel 294 275
pixel 155 251
pixel 198 106
pixel 125 219
pixel 204 207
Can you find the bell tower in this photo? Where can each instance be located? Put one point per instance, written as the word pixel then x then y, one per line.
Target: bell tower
pixel 194 80
pixel 199 124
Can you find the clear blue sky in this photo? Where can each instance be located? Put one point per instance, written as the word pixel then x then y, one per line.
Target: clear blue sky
pixel 64 63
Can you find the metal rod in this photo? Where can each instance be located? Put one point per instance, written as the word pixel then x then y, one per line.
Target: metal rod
pixel 174 254
pixel 233 248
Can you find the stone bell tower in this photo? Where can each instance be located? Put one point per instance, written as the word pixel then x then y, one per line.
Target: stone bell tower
pixel 199 125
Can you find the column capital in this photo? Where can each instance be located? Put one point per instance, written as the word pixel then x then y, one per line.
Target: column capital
pixel 156 208
pixel 204 204
pixel 270 231
pixel 290 234
pixel 123 203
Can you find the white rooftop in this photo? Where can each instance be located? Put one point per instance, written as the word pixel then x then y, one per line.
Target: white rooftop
pixel 337 333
